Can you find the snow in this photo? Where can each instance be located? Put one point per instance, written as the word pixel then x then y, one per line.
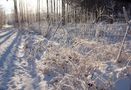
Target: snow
pixel 123 84
pixel 71 60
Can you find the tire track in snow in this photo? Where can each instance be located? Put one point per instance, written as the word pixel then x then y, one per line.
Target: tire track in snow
pixel 24 75
pixel 2 32
pixel 19 71
pixel 3 35
pixel 34 52
pixel 5 45
pixel 22 78
pixel 7 62
pixel 31 60
pixel 2 40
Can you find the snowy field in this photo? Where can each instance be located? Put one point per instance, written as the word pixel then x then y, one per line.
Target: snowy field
pixel 77 57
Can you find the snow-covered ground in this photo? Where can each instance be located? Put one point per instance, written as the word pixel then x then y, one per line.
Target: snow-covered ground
pixel 17 67
pixel 71 60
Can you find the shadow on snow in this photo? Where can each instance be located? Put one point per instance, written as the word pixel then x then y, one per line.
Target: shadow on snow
pixel 7 37
pixel 9 32
pixel 7 61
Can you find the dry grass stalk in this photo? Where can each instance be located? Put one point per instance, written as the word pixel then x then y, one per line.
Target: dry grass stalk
pixel 123 41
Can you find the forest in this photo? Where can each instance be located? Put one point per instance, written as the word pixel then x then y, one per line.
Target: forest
pixel 65 45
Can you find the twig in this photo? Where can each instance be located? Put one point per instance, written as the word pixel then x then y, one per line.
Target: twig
pixel 123 41
pixel 48 30
pixel 125 15
pixel 56 30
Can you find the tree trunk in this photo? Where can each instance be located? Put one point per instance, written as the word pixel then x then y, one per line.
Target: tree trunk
pixel 63 12
pixel 51 12
pixel 67 12
pixel 57 10
pixel 16 13
pixel 54 10
pixel 47 11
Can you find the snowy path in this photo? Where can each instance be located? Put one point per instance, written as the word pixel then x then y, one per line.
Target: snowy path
pixel 7 58
pixel 4 43
pixel 2 32
pixel 17 65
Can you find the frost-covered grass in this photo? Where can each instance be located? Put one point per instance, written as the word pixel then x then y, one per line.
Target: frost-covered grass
pixel 86 56
pixel 66 69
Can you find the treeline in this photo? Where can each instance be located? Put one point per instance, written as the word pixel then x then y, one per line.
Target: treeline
pixel 69 11
pixel 23 15
pixel 88 10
